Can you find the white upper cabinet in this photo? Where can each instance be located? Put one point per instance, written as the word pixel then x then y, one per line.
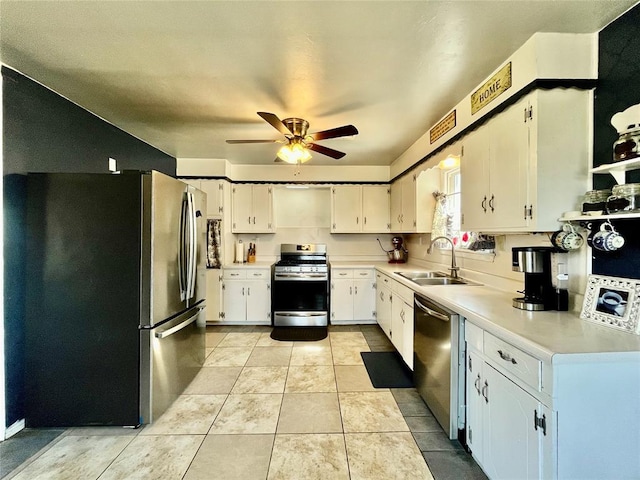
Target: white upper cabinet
pixel 528 164
pixel 360 208
pixel 215 190
pixel 413 203
pixel 252 209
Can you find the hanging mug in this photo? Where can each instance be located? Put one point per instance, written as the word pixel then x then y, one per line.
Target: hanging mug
pixel 567 239
pixel 607 239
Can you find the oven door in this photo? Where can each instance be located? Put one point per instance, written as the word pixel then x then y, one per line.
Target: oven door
pixel 300 300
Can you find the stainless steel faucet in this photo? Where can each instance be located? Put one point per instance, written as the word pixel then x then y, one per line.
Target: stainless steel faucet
pixel 454 268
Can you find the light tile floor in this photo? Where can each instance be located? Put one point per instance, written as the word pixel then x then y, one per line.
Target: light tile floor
pixel 263 409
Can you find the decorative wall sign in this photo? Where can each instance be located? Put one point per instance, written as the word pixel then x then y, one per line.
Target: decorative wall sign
pixel 442 127
pixel 613 302
pixel 492 89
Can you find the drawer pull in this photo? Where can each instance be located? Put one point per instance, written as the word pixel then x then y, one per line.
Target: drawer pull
pixel 506 357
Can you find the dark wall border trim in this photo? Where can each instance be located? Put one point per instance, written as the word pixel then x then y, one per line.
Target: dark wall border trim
pixel 280 182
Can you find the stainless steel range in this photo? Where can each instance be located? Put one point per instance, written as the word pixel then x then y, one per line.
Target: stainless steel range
pixel 300 287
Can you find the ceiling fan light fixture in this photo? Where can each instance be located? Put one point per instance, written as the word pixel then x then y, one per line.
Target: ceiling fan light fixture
pixel 294 153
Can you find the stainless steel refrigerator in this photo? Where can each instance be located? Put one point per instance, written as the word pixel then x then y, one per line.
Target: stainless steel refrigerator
pixel 115 289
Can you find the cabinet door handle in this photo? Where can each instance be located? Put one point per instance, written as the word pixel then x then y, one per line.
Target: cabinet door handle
pixel 491 203
pixel 540 422
pixel 248 291
pixel 477 384
pixel 243 291
pixel 364 220
pixel 485 392
pixel 254 220
pixel 525 212
pixel 357 220
pixel 506 357
pixel 484 204
pixel 350 290
pixel 356 289
pixel 381 296
pixel 249 220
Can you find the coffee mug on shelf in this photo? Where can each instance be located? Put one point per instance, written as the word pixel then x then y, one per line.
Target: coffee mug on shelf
pixel 607 239
pixel 567 239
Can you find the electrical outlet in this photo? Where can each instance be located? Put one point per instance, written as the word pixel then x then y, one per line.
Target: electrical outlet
pixel 112 165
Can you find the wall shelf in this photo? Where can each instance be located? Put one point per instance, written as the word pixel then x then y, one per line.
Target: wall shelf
pixel 590 218
pixel 618 169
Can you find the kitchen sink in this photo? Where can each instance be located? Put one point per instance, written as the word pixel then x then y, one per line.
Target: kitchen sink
pixel 413 276
pixel 434 278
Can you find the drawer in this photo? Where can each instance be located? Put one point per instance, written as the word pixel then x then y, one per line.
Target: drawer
pixel 362 273
pixel 383 279
pixel 341 273
pixel 235 274
pixel 514 360
pixel 403 292
pixel 473 335
pixel 257 274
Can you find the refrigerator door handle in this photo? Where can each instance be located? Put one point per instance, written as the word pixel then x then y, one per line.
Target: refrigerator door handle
pixel 182 251
pixel 176 328
pixel 192 246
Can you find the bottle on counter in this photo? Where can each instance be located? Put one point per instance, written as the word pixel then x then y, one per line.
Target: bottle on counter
pixel 562 292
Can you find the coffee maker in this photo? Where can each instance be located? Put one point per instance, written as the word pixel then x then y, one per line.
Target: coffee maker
pixel 539 292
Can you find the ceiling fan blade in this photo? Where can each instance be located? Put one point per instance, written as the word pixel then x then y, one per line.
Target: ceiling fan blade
pixel 275 122
pixel 344 131
pixel 329 152
pixel 252 141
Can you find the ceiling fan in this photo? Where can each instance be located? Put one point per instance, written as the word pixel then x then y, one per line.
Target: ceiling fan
pixel 298 142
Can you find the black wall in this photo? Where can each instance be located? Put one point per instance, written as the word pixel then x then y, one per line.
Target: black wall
pixel 618 88
pixel 43 132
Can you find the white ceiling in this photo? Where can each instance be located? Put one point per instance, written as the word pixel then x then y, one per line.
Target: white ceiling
pixel 186 75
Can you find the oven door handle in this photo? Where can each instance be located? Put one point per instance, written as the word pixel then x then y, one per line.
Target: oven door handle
pixel 433 313
pixel 300 314
pixel 300 275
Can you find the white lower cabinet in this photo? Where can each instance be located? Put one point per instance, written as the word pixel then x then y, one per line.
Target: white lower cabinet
pixel 510 436
pixel 394 314
pixel 214 295
pixel 402 328
pixel 352 295
pixel 246 295
pixel 509 431
pixel 383 302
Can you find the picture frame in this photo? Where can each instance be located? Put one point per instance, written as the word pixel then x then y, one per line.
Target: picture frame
pixel 613 302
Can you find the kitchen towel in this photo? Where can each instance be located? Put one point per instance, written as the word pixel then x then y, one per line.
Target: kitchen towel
pixel 213 243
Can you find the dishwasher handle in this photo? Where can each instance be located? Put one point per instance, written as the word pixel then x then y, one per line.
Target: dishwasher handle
pixel 433 313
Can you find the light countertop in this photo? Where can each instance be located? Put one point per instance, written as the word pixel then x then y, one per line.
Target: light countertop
pixel 248 265
pixel 548 335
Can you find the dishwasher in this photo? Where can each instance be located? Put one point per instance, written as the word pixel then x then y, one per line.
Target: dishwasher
pixel 438 363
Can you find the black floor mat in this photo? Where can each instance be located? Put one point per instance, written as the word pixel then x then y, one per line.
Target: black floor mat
pixel 387 370
pixel 299 334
